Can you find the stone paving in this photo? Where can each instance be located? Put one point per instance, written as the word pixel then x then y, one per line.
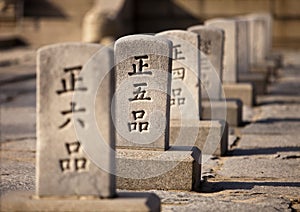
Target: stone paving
pixel 260 173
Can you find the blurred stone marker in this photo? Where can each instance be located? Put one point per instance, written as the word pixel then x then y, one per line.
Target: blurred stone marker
pixel 230 47
pixel 211 46
pixel 185 89
pixel 232 89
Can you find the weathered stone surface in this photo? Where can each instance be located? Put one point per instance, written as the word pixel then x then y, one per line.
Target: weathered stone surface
pixel 268 144
pixel 185 89
pixel 62 167
pixel 143 83
pixel 259 167
pixel 211 62
pixel 243 91
pixel 242 46
pixel 211 137
pixel 231 112
pixel 260 37
pixel 26 201
pixel 230 74
pixel 179 168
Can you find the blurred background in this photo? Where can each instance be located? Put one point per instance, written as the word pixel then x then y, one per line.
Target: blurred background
pixel 40 22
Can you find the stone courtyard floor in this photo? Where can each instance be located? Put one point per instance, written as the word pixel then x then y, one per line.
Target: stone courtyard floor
pixel 261 172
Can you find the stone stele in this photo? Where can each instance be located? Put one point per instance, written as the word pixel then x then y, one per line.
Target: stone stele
pixel 185 89
pixel 143 81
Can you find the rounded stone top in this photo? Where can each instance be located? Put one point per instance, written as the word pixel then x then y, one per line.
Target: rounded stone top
pixel 141 44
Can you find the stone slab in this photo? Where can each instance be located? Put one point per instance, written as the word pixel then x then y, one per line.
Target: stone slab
pixel 273 127
pixel 125 201
pixel 179 168
pixel 242 46
pixel 185 89
pixel 211 137
pixel 269 143
pixel 257 79
pixel 259 167
pixel 63 168
pixel 142 96
pixel 230 73
pixel 211 65
pixel 232 111
pixel 243 91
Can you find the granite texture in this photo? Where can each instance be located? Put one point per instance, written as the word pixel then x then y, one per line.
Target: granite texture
pixel 179 168
pixel 185 90
pixel 211 137
pixel 62 167
pixel 143 83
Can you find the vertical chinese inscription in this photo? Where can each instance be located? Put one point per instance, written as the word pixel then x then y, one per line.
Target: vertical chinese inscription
pixel 178 73
pixel 62 166
pixel 141 67
pixel 143 88
pixel 68 87
pixel 185 74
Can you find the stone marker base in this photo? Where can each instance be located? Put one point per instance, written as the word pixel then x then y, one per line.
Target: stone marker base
pixel 233 110
pixel 125 201
pixel 258 79
pixel 243 91
pixel 178 168
pixel 211 137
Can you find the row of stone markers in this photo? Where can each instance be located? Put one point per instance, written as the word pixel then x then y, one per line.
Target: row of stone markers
pixel 131 118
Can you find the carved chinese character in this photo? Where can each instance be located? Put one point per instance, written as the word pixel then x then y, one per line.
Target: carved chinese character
pixel 73 147
pixel 73 164
pixel 65 164
pixel 177 53
pixel 139 93
pixel 176 93
pixel 138 69
pixel 178 73
pixel 72 71
pixel 68 120
pixel 138 125
pixel 205 46
pixel 80 163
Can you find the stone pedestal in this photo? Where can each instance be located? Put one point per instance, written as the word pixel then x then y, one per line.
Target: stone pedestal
pixel 211 138
pixel 26 201
pixel 179 168
pixel 243 91
pixel 259 80
pixel 233 110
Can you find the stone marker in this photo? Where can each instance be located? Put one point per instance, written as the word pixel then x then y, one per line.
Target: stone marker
pixel 211 46
pixel 143 85
pixel 67 180
pixel 186 127
pixel 185 90
pixel 231 62
pixel 142 78
pixel 242 45
pixel 230 74
pixel 61 163
pixel 214 106
pixel 257 79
